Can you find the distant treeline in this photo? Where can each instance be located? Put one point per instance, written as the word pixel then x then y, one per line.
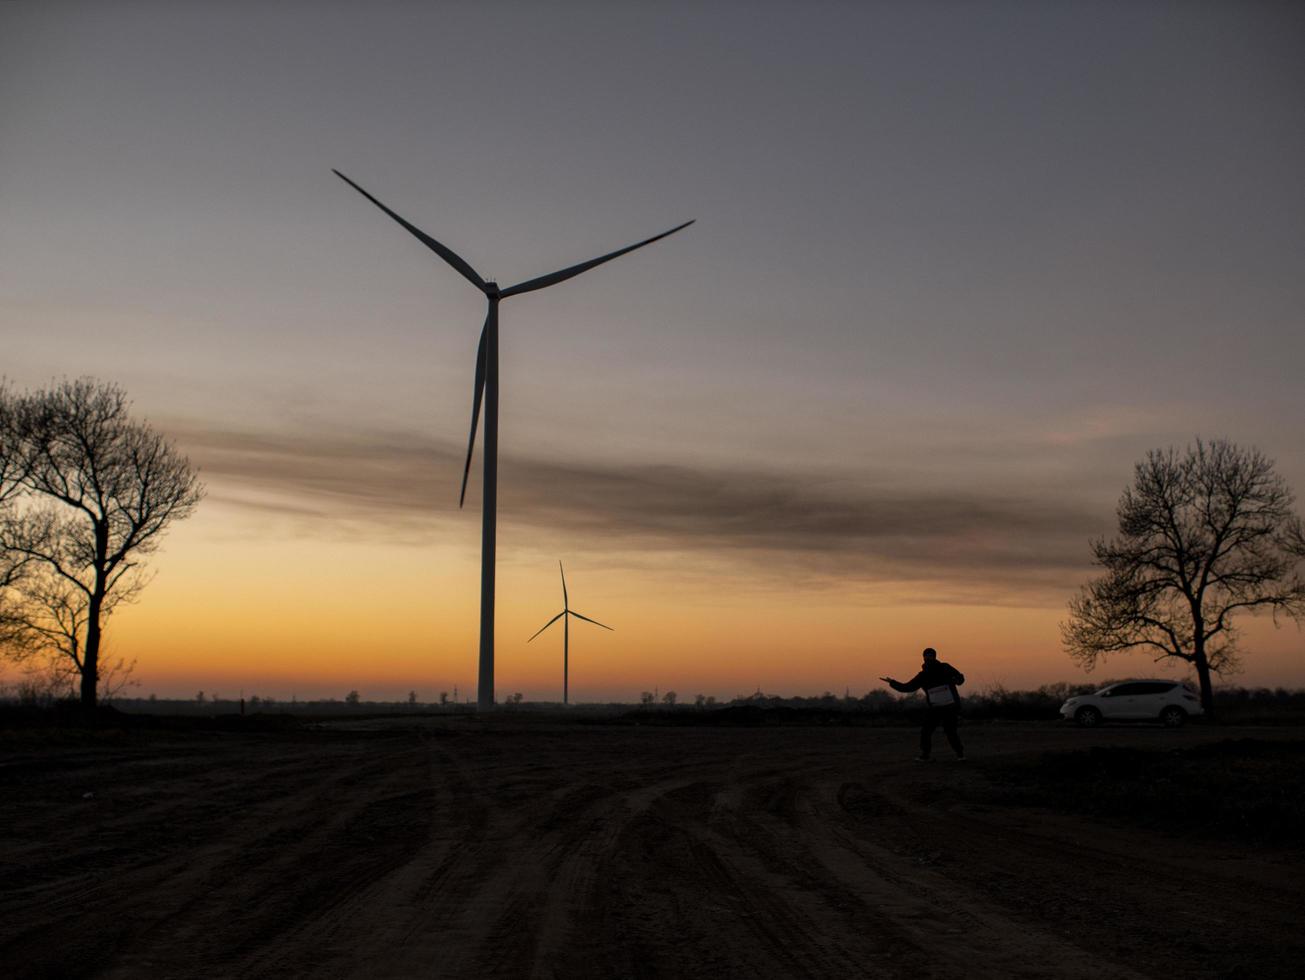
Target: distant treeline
pixel 1234 704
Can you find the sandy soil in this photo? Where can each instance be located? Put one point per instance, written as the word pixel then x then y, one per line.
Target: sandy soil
pixel 576 852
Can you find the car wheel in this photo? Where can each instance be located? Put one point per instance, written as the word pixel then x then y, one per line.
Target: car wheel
pixel 1173 716
pixel 1087 717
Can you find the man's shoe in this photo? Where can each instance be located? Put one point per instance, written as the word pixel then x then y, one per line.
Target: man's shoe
pixel 923 758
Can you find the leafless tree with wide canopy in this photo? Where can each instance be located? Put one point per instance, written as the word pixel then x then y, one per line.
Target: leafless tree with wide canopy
pixel 87 493
pixel 1204 535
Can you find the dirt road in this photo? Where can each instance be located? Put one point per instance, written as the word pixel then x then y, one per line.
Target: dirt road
pixel 578 852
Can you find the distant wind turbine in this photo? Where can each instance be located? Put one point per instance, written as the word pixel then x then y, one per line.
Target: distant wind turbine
pixel 486 387
pixel 565 616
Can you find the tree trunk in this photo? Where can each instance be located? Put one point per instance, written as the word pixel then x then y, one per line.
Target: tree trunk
pixel 91 656
pixel 1203 676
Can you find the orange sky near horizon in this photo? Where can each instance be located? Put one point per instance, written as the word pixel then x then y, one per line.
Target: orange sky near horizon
pixel 284 616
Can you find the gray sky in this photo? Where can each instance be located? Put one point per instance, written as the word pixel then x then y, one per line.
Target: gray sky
pixel 922 210
pixel 963 252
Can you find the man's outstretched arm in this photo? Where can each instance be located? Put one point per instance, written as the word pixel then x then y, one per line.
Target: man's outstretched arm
pixel 912 685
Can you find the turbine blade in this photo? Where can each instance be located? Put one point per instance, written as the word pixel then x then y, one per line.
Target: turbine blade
pixel 575 270
pixel 548 624
pixel 588 620
pixel 443 251
pixel 565 604
pixel 476 396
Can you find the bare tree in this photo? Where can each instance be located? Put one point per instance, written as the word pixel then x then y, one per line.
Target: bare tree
pixel 1203 536
pixel 14 566
pixel 95 491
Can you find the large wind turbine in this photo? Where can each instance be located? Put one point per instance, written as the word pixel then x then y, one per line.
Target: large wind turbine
pixel 565 616
pixel 486 388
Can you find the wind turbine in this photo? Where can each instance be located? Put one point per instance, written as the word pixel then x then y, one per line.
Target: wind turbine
pixel 486 388
pixel 565 615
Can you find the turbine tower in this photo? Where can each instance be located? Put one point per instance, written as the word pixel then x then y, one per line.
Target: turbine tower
pixel 565 615
pixel 486 389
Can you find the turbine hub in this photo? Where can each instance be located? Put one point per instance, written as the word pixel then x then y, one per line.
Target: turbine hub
pixel 491 290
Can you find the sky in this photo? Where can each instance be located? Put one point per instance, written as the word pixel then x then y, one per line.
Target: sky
pixel 956 268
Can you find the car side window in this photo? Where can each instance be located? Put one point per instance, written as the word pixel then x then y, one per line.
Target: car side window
pixel 1157 688
pixel 1125 690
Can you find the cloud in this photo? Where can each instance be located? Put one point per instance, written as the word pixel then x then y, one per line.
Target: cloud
pixel 817 527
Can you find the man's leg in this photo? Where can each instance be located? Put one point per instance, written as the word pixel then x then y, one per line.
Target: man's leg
pixel 949 729
pixel 926 733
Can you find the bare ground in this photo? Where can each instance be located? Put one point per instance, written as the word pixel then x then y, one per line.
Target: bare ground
pixel 478 850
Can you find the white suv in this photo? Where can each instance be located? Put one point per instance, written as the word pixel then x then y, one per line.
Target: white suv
pixel 1169 702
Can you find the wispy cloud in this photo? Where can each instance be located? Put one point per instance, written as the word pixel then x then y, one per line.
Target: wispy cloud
pixel 820 527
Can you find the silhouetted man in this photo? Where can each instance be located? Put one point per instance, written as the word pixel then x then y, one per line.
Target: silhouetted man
pixel 942 703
